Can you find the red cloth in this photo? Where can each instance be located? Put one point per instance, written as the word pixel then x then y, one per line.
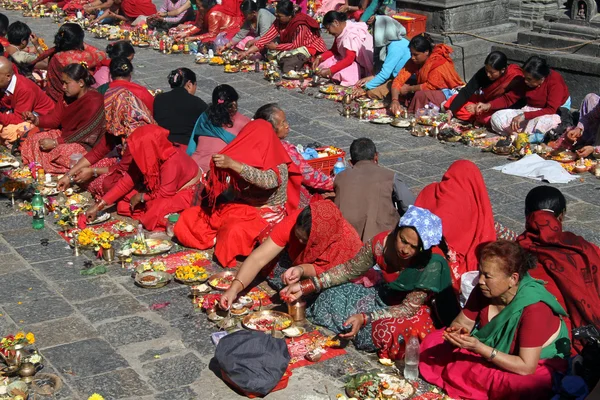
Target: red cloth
pixel 288 32
pixel 463 374
pixel 302 345
pixel 569 265
pixel 27 96
pixel 461 201
pixel 332 239
pixel 55 161
pixel 464 115
pixel 341 64
pixel 302 30
pixel 257 146
pixel 134 8
pixel 138 91
pixel 549 96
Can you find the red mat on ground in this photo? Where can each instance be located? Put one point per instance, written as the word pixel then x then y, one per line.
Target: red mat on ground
pixel 300 346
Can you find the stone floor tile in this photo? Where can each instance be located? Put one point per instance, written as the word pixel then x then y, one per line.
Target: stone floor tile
pixel 11 222
pixel 7 326
pixel 174 372
pixel 110 307
pixel 38 253
pixel 22 286
pixel 184 393
pixel 63 269
pixel 27 236
pixel 195 333
pixel 83 290
pixel 590 193
pixel 11 263
pixel 131 330
pixel 61 331
pixel 179 301
pixel 4 247
pixel 39 310
pixel 118 384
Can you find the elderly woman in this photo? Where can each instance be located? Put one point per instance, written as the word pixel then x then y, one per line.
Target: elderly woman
pixel 351 55
pixel 574 284
pixel 259 184
pixel 216 127
pixel 509 339
pixel 413 275
pixel 316 239
pixel 435 72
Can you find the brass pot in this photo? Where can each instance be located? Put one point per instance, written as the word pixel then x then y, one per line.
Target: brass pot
pixel 108 254
pixel 27 371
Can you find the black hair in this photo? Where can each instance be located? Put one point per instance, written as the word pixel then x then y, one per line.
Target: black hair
pixel 304 220
pixel 180 76
pixel 424 255
pixel 79 72
pixel 362 149
pixel 285 7
pixel 545 198
pixel 17 33
pixel 248 6
pixel 421 43
pixel 332 16
pixel 3 24
pixel 69 37
pixel 218 113
pixel 120 67
pixel 537 67
pixel 122 48
pixel 267 112
pixel 1 49
pixel 208 4
pixel 497 60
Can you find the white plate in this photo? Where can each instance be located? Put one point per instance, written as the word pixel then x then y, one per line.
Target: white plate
pixel 103 218
pixel 382 120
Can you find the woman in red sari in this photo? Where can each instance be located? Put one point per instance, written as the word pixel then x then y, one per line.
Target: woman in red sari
pixel 121 70
pixel 76 123
pixel 124 114
pixel 316 239
pixel 566 262
pixel 255 171
pixel 211 20
pixel 68 49
pixel 495 79
pixel 168 173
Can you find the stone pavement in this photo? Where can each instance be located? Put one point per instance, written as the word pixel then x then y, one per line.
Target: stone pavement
pixel 99 334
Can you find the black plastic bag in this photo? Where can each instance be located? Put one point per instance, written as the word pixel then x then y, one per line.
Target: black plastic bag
pixel 253 361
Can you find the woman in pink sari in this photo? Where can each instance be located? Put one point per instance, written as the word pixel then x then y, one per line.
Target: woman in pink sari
pixel 351 55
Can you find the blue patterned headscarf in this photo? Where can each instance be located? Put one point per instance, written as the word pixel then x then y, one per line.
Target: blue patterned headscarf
pixel 427 224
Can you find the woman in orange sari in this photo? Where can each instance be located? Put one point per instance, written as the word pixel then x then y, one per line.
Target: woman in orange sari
pixel 211 20
pixel 435 72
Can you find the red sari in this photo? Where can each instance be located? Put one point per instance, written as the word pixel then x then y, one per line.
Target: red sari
pixel 569 265
pixel 168 174
pixel 225 17
pixel 82 123
pixel 138 91
pixel 235 227
pixel 134 8
pixel 461 200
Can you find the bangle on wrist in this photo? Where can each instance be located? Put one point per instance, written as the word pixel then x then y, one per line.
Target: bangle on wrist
pixel 241 283
pixel 493 355
pixel 95 172
pixel 307 286
pixel 395 100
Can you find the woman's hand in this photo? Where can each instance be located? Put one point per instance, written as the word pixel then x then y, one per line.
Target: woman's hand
pixel 585 151
pixel 466 341
pixel 574 134
pixel 223 161
pixel 92 212
pixel 343 8
pixel 292 275
pixel 28 116
pixel 47 144
pixel 250 43
pixel 316 62
pixel 63 183
pixel 395 107
pixel 481 108
pixel 405 89
pixel 517 122
pixel 271 46
pixel 83 175
pixel 135 200
pixel 356 321
pixel 324 73
pixel 362 82
pixel 471 108
pixel 228 298
pixel 291 293
pixel 358 92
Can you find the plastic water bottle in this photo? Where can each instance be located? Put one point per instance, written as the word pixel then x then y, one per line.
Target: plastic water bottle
pixel 37 206
pixel 411 359
pixel 339 166
pixel 140 233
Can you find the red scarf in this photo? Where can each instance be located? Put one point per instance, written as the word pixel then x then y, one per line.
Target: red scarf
pixel 135 8
pixel 501 85
pixel 138 91
pixel 568 263
pixel 461 200
pixel 257 146
pixel 332 239
pixel 439 55
pixel 149 148
pixel 288 32
pixel 83 120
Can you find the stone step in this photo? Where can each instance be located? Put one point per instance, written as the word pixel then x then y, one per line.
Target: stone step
pixel 572 29
pixel 551 42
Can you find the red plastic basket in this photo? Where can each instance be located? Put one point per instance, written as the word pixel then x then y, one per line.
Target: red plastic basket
pixel 325 164
pixel 414 26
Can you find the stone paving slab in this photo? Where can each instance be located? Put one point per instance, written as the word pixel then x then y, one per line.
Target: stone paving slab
pixel 98 334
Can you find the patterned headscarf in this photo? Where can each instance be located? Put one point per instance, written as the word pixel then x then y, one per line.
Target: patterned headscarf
pixel 427 224
pixel 125 112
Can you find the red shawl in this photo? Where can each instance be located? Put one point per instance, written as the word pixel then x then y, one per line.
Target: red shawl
pixel 461 200
pixel 332 239
pixel 288 32
pixel 138 91
pixel 569 264
pixel 511 77
pixel 134 8
pixel 149 148
pixel 257 146
pixel 231 8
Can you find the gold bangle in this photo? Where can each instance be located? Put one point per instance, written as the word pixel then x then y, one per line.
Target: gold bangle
pixel 241 283
pixel 493 355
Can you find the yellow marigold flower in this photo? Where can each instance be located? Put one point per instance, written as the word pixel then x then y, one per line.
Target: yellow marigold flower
pixel 30 338
pixel 95 396
pixel 19 335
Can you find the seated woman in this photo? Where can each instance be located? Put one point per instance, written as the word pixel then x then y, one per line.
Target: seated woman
pixel 351 55
pixel 216 127
pixel 211 20
pixel 264 184
pixel 120 49
pixel 585 137
pixel 178 110
pixel 68 49
pixel 299 38
pixel 169 175
pixel 495 79
pixel 545 91
pixel 133 12
pixel 413 275
pixel 171 13
pixel 461 200
pixel 391 49
pixel 257 22
pixel 435 71
pixel 316 239
pixel 96 171
pixel 76 123
pixel 508 340
pixel 574 284
pixel 313 181
pixel 121 70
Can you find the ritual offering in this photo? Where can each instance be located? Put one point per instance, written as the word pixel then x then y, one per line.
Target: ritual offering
pixel 100 219
pixel 331 89
pixel 379 386
pixel 579 167
pixel 294 331
pixel 269 320
pixel 123 226
pixel 382 120
pixel 191 274
pixel 222 280
pixel 400 123
pixel 147 266
pixel 49 191
pixel 565 156
pixel 8 161
pixel 216 61
pixel 239 309
pixel 231 69
pixel 295 75
pixel 153 279
pixel 151 247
